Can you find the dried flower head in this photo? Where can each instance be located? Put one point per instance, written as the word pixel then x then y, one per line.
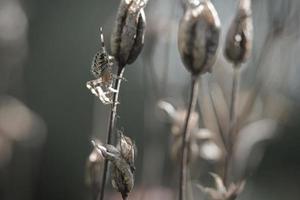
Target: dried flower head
pixel 201 142
pixel 178 122
pixel 198 37
pixel 122 168
pixel 188 3
pixel 94 167
pixel 220 192
pixel 127 148
pixel 128 36
pixel 240 35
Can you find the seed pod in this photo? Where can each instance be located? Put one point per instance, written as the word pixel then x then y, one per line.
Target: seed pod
pixel 94 167
pixel 188 3
pixel 128 35
pixel 122 168
pixel 128 149
pixel 220 191
pixel 240 35
pixel 198 37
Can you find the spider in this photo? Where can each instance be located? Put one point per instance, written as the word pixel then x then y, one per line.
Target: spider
pixel 101 69
pixel 102 60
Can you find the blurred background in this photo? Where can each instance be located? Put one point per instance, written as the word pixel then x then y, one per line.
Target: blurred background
pixel 47 116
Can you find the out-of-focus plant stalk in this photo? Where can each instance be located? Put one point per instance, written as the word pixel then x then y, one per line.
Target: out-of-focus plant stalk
pixel 238 48
pixel 185 136
pixel 198 41
pixel 232 121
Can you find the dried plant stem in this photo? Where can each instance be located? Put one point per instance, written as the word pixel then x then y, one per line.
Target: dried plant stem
pixel 232 120
pixel 220 129
pixel 168 51
pixel 111 125
pixel 234 102
pixel 185 138
pixel 258 81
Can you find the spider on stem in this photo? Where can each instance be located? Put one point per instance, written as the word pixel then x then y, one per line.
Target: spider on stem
pixel 102 70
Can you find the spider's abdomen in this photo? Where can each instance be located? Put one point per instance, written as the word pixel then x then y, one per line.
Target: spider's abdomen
pixel 101 62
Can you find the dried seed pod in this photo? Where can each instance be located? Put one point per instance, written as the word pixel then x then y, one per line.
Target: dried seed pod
pixel 220 192
pixel 94 168
pixel 239 38
pixel 201 142
pixel 128 36
pixel 188 3
pixel 198 37
pixel 128 149
pixel 139 38
pixel 122 168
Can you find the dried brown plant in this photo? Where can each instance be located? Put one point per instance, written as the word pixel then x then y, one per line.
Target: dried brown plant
pixel 122 159
pixel 224 138
pixel 126 43
pixel 198 40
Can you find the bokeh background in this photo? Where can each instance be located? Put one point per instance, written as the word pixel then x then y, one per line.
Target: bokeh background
pixel 47 116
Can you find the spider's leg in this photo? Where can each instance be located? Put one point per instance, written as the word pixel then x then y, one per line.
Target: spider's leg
pixel 102 40
pixel 94 91
pixel 104 99
pixel 111 58
pixel 98 88
pixel 111 61
pixel 103 96
pixel 98 81
pixel 90 85
pixel 120 78
pixel 112 89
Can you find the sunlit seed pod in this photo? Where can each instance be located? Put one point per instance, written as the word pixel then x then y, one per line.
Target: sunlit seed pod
pixel 168 110
pixel 128 35
pixel 198 37
pixel 94 167
pixel 239 38
pixel 121 172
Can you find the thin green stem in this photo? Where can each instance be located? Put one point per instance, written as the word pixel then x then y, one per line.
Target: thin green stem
pixel 185 138
pixel 111 125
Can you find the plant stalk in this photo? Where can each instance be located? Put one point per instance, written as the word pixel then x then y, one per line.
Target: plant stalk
pixel 232 120
pixel 185 138
pixel 221 131
pixel 111 125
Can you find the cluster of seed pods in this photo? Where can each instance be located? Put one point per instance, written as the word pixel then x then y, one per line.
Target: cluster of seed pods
pixel 198 43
